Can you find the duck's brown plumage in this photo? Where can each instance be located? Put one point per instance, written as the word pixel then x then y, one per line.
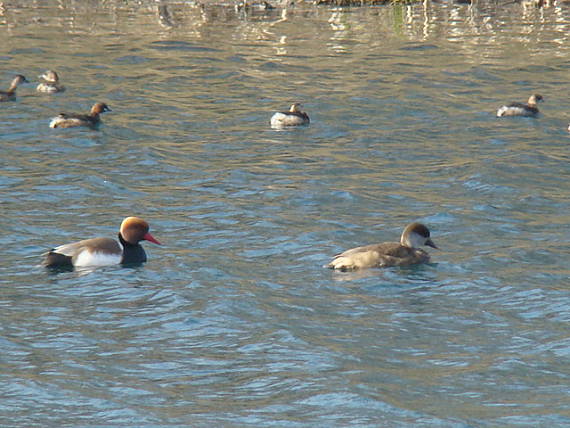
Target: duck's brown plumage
pixel 71 120
pixel 387 254
pixel 10 94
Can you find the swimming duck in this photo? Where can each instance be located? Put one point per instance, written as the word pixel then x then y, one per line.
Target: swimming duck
pixel 91 120
pixel 387 254
pixel 51 83
pixel 520 109
pixel 293 117
pixel 10 94
pixel 104 251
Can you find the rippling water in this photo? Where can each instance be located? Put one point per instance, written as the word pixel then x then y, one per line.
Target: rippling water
pixel 234 322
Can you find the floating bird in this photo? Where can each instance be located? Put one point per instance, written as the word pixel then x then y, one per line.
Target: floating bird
pixel 520 109
pixel 293 117
pixel 10 94
pixel 104 251
pixel 51 83
pixel 71 120
pixel 386 254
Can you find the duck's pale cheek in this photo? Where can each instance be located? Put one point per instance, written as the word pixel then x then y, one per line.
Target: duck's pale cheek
pixel 88 258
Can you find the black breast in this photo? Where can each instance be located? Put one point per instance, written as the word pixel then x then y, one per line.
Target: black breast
pixel 132 253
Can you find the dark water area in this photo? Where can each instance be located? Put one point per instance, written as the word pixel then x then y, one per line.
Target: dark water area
pixel 234 321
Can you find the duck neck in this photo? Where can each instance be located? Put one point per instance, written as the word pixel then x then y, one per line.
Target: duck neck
pixel 12 87
pixel 132 253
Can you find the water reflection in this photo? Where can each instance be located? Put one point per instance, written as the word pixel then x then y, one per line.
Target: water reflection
pixel 467 24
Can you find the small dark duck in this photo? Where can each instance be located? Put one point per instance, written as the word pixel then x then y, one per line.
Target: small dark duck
pixel 71 120
pixel 10 94
pixel 529 109
pixel 293 117
pixel 50 83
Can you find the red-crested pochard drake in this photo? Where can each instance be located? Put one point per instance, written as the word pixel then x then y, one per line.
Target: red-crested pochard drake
pixel 50 83
pixel 105 251
pixel 10 94
pixel 387 254
pixel 293 117
pixel 71 120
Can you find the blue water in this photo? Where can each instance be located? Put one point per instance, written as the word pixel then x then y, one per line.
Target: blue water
pixel 233 321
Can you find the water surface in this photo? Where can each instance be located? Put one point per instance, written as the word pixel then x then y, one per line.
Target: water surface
pixel 234 322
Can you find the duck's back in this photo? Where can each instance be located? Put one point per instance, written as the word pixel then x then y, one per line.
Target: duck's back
pixel 517 109
pixel 65 120
pixel 289 119
pixel 92 252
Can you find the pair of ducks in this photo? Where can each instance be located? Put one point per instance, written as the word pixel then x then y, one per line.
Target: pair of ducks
pixel 51 85
pixel 296 117
pixel 70 120
pixel 127 250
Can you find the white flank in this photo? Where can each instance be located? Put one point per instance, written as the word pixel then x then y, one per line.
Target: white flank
pixel 511 111
pixel 88 258
pixel 55 121
pixel 501 111
pixel 278 119
pixel 43 87
pixel 68 122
